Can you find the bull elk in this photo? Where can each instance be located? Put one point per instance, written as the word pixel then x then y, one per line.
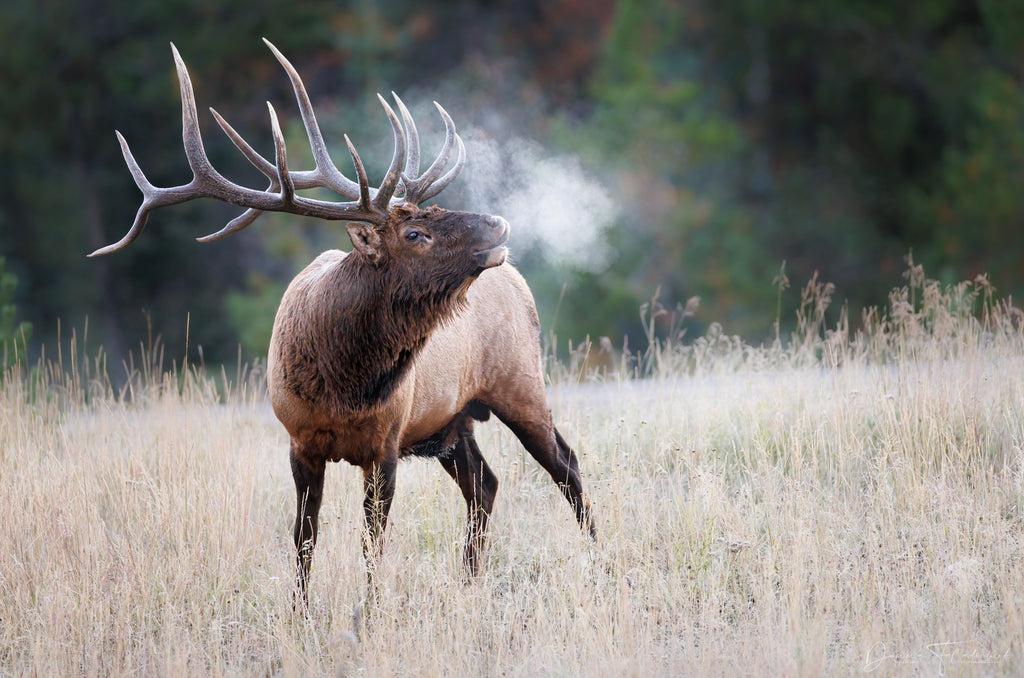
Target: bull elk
pixel 398 346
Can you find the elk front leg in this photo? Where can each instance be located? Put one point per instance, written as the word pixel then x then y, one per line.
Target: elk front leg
pixel 309 489
pixel 379 490
pixel 478 483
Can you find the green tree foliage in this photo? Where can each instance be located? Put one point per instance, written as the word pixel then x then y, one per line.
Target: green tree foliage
pixel 973 197
pixel 252 313
pixel 886 126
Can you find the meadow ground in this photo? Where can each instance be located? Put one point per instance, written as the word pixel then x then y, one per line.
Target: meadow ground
pixel 846 503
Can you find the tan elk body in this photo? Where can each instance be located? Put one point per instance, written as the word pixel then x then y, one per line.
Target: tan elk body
pixel 477 354
pixel 396 347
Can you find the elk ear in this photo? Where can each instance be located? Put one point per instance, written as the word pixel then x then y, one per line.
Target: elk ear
pixel 366 239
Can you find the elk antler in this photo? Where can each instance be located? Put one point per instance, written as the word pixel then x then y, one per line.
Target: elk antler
pixel 427 185
pixel 364 203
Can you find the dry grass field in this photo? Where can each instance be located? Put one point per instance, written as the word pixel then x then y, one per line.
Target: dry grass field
pixel 835 504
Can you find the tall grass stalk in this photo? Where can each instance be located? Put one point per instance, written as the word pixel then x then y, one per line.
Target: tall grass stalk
pixel 841 502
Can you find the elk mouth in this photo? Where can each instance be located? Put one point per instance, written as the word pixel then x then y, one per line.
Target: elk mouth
pixel 495 254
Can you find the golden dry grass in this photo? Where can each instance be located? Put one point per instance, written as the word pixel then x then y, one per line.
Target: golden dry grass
pixel 847 504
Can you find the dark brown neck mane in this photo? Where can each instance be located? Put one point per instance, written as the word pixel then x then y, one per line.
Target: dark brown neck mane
pixel 353 344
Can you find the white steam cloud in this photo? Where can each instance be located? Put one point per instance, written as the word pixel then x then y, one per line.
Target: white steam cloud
pixel 548 199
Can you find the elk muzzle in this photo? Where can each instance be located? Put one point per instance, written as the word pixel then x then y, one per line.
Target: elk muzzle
pixel 493 236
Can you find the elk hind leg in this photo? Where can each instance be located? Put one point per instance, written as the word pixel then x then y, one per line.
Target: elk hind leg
pixel 546 445
pixel 466 465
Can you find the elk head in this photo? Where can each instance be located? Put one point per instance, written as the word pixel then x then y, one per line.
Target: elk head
pixel 388 229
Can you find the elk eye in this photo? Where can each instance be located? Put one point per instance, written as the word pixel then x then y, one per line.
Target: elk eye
pixel 416 236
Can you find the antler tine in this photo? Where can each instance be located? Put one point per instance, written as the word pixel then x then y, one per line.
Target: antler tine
pixel 412 162
pixel 190 135
pixel 326 173
pixel 442 158
pixel 142 215
pixel 391 179
pixel 281 155
pixel 364 185
pixel 153 197
pixel 442 183
pixel 418 189
pixel 257 160
pixel 242 221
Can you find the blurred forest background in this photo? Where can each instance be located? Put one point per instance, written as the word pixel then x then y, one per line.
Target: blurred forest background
pixel 690 146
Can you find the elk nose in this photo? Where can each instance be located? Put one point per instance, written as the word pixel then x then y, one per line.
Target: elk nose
pixel 496 223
